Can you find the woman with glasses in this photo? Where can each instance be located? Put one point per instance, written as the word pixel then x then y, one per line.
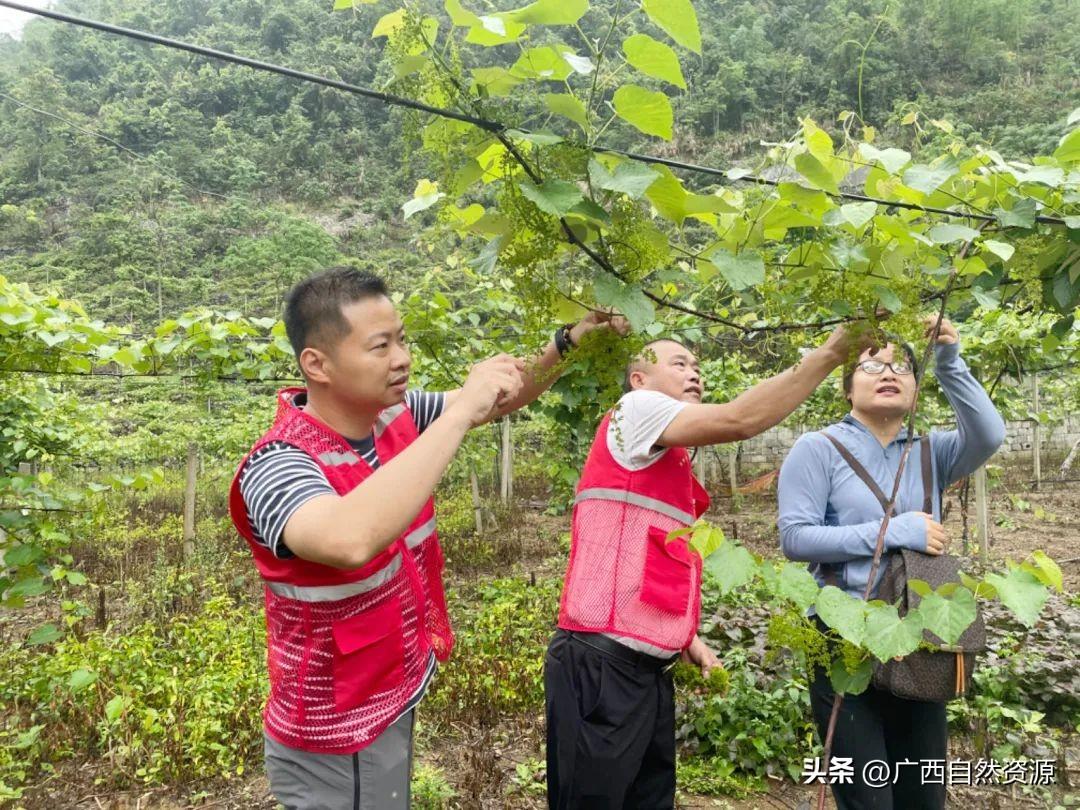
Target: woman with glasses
pixel 830 518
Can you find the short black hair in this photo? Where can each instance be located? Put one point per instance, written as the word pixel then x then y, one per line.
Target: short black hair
pixel 313 308
pixel 635 361
pixel 849 369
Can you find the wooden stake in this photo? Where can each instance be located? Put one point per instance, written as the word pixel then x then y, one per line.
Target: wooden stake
pixel 189 499
pixel 982 514
pixel 506 484
pixel 1036 433
pixel 478 507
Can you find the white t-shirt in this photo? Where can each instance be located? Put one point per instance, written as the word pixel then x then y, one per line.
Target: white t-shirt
pixel 636 423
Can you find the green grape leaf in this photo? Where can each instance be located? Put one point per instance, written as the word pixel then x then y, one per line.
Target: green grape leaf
pixel 628 299
pixel 816 173
pixel 889 636
pixel 945 232
pixel 551 12
pixel 851 683
pixel 1068 150
pixel 948 617
pixel 1021 592
pixel 893 160
pixel 677 19
pixel 646 110
pixel 844 614
pixel 858 214
pixel 653 58
pixel 1021 215
pixel 541 63
pixel 706 539
pixel 1047 571
pixel 731 566
pixel 740 271
pixel 798 585
pixel 630 177
pixel 926 178
pixel 389 23
pixel 568 106
pixel 1002 250
pixel 555 197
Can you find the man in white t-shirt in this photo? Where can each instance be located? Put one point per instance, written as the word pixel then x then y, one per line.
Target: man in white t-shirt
pixel 631 600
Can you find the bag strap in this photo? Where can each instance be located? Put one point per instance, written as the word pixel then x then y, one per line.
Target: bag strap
pixel 927 475
pixel 859 470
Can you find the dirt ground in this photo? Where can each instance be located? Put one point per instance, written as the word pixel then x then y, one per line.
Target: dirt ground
pixel 1022 520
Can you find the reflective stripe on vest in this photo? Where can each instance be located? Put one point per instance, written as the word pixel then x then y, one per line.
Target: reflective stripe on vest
pixel 331 593
pixel 625 496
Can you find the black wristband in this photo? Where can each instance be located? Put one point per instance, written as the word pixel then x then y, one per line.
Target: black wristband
pixel 563 341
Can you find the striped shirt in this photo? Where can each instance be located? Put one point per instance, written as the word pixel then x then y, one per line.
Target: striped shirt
pixel 278 479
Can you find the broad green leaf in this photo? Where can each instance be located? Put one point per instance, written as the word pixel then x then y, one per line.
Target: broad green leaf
pixel 341 5
pixel 494 29
pixel 851 683
pixel 80 679
pixel 551 12
pixel 425 195
pixel 945 232
pixel 628 299
pixel 389 23
pixel 889 636
pixel 115 707
pixel 675 203
pixel 496 81
pixel 631 177
pixel 30 586
pixel 1074 117
pixel 858 214
pixel 731 566
pixel 1002 250
pixel 948 617
pixel 889 299
pixel 1048 571
pixel 706 539
pixel 541 63
pixel 581 64
pixel 46 634
pixel 1068 150
pixel 818 142
pixel 590 210
pixel 816 172
pixel 798 585
pixel 893 160
pixel 740 271
pixel 985 299
pixel 1021 592
pixel 1021 215
pixel 926 178
pixel 844 614
pixel 555 197
pixel 653 58
pixel 677 19
pixel 646 110
pixel 568 106
pixel 459 16
pixel 21 555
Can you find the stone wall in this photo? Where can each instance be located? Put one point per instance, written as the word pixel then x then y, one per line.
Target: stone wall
pixel 770 447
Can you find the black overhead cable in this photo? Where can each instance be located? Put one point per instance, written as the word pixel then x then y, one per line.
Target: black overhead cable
pixel 483 123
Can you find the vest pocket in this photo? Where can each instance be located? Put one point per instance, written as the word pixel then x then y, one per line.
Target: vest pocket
pixel 369 654
pixel 666 579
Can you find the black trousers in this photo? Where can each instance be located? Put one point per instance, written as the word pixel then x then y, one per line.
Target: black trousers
pixel 877 725
pixel 610 730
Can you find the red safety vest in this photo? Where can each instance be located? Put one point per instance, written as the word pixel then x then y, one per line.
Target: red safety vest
pixel 625 577
pixel 347 648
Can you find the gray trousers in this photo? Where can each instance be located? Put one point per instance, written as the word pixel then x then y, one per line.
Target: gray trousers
pixel 376 778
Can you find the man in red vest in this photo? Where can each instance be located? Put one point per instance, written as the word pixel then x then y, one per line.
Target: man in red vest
pixel 631 598
pixel 335 501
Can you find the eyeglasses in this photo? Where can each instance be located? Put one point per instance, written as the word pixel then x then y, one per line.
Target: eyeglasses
pixel 900 367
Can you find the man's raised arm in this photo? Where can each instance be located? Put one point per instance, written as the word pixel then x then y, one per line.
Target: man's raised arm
pixel 346 531
pixel 761 407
